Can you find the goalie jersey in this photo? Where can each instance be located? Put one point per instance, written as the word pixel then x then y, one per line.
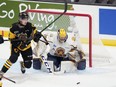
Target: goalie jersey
pixel 56 46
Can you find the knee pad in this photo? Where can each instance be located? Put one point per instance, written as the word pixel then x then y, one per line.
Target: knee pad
pixel 27 63
pixel 13 58
pixel 37 63
pixel 81 64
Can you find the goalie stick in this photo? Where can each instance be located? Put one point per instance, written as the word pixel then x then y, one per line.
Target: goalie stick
pixel 46 64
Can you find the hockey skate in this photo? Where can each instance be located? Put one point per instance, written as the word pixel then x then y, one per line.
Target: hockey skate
pixel 1 75
pixel 57 69
pixel 0 84
pixel 23 70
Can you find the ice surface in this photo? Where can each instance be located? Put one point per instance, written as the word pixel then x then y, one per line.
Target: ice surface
pixel 104 76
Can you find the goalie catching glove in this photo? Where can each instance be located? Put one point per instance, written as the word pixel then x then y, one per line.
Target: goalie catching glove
pixel 1 39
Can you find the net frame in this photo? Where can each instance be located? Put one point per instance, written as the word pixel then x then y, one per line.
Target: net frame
pixel 72 14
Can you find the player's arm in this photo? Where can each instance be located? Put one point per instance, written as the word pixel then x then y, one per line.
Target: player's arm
pixel 13 38
pixel 36 35
pixel 11 35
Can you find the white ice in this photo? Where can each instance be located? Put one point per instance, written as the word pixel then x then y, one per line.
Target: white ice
pixel 104 76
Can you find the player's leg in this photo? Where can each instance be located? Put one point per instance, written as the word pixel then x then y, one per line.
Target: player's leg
pixel 22 67
pixel 37 63
pixel 27 57
pixel 13 58
pixel 56 61
pixel 1 75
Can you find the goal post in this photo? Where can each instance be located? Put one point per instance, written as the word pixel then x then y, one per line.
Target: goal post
pixel 42 17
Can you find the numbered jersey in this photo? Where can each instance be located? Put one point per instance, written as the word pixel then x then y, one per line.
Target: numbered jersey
pixel 55 46
pixel 17 30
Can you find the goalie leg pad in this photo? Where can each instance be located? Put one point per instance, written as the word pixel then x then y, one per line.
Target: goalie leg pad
pixel 56 60
pixel 27 63
pixel 81 64
pixel 36 64
pixel 67 66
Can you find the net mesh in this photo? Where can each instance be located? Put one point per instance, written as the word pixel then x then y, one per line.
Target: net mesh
pixel 81 27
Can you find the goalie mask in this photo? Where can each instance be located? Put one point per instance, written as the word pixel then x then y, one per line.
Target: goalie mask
pixel 62 35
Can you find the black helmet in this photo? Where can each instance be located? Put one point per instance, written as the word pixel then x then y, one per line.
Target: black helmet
pixel 23 15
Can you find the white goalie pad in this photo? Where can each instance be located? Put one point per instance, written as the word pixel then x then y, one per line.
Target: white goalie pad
pixel 43 67
pixel 66 66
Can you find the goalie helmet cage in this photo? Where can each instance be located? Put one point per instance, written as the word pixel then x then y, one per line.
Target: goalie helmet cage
pixel 88 17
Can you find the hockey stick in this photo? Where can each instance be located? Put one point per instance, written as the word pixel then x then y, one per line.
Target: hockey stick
pixel 46 64
pixel 9 79
pixel 57 17
pixel 19 40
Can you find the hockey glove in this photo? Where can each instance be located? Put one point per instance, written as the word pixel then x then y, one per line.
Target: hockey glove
pixel 22 37
pixel 37 36
pixel 81 54
pixel 1 39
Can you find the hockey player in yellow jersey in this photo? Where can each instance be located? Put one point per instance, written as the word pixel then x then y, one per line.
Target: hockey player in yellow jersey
pixel 1 41
pixel 20 36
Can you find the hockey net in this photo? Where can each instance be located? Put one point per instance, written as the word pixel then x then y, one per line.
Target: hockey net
pixel 95 52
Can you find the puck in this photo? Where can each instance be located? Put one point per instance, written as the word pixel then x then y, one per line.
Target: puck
pixel 78 82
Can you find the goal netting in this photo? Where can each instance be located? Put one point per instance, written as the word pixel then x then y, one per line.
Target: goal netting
pixel 77 25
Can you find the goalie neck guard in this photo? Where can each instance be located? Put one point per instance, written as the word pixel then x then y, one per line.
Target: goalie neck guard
pixel 62 35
